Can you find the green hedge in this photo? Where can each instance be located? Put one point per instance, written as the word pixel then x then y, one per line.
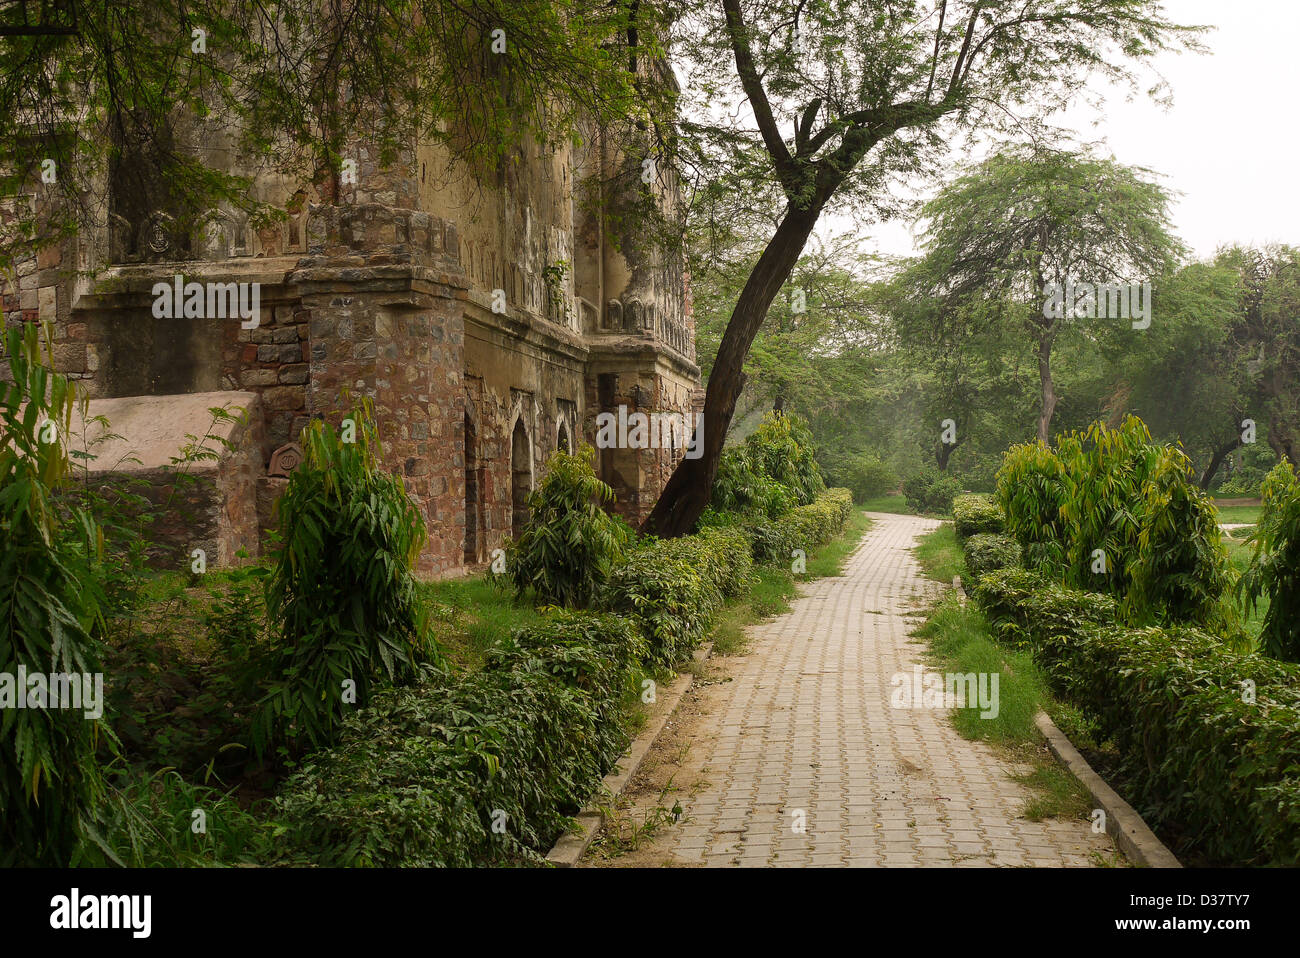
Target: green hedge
pixel 670 588
pixel 420 778
pixel 975 514
pixel 986 552
pixel 1220 770
pixel 803 528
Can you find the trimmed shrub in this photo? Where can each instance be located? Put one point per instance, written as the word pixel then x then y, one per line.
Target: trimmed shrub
pixel 570 545
pixel 931 492
pixel 341 591
pixel 670 588
pixel 1224 771
pixel 986 552
pixel 420 778
pixel 975 514
pixel 730 558
pixel 1208 737
pixel 802 528
pixel 1023 608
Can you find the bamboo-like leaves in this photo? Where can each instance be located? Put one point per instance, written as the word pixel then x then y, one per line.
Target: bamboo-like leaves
pixel 342 592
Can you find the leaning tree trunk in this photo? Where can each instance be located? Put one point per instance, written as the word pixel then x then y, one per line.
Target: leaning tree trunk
pixel 1216 461
pixel 687 493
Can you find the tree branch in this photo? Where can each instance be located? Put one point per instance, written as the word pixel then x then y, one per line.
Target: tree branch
pixel 786 169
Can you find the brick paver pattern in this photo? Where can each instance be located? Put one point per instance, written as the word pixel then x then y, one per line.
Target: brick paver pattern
pixel 806 726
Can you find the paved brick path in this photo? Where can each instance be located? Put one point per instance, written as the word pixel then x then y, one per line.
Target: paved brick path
pixel 803 722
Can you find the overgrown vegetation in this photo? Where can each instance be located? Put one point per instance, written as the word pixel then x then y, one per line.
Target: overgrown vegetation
pixel 1111 511
pixel 1274 571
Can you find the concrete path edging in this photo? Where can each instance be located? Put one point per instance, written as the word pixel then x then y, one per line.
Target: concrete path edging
pixel 570 846
pixel 1134 838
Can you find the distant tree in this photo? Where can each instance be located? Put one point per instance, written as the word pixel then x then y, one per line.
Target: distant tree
pixel 1027 224
pixel 1226 350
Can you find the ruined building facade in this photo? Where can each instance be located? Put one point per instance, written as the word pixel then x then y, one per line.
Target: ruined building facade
pixel 385 290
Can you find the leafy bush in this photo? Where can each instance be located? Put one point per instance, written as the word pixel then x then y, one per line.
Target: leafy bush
pixel 986 551
pixel 571 543
pixel 1114 512
pixel 773 470
pixel 422 777
pixel 931 492
pixel 1208 737
pixel 742 487
pixel 1274 569
pixel 730 558
pixel 670 589
pixel 341 592
pixel 1025 610
pixel 975 514
pixel 49 779
pixel 1180 568
pixel 1030 490
pixel 802 528
pixel 782 447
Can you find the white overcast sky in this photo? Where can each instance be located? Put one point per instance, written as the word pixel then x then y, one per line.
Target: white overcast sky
pixel 1230 143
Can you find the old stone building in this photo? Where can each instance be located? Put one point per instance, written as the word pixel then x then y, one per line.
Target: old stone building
pixel 385 290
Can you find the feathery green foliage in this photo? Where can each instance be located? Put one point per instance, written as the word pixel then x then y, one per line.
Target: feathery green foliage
pixel 341 594
pixel 49 779
pixel 1274 569
pixel 773 470
pixel 570 545
pixel 1111 511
